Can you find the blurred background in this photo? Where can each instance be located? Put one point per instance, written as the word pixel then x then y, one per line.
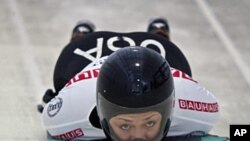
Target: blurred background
pixel 214 36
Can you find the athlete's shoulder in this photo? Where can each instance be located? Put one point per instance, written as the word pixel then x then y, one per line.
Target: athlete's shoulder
pixel 196 108
pixel 68 113
pixel 187 87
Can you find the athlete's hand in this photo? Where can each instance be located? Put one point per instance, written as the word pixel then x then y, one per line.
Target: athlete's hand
pixel 49 94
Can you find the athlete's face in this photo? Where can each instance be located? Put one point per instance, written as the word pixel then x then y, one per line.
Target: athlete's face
pixel 141 126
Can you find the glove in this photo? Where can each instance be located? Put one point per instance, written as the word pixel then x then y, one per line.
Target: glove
pixel 49 94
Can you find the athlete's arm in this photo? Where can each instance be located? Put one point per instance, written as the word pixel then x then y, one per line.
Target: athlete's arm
pixel 195 109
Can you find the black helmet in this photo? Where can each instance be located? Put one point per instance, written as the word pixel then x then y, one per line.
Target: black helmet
pixel 135 80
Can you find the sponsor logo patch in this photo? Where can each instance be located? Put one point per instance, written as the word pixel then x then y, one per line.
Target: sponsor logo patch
pixel 198 106
pixel 54 106
pixel 70 135
pixel 89 74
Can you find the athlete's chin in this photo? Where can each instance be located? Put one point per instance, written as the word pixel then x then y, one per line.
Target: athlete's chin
pixel 139 139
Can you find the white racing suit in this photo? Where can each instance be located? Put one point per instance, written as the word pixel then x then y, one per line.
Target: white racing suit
pixel 67 116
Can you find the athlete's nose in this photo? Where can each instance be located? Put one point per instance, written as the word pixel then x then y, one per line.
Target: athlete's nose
pixel 139 135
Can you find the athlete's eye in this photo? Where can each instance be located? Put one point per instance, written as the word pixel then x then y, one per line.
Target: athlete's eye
pixel 125 127
pixel 150 124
